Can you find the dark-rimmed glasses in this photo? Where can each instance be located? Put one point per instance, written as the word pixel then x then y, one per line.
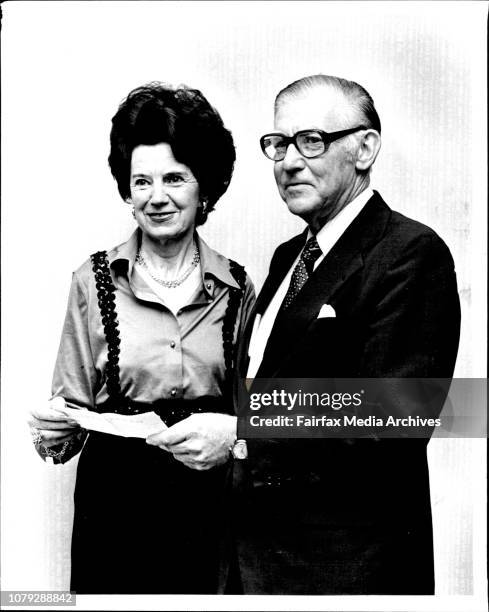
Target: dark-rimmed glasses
pixel 309 143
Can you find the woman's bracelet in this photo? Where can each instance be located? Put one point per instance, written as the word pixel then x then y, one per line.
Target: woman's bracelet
pixel 56 454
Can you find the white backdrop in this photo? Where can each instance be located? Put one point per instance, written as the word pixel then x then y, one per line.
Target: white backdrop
pixel 67 65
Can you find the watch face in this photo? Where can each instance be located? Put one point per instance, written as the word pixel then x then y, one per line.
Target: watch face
pixel 240 451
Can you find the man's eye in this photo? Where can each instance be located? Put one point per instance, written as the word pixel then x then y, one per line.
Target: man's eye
pixel 277 143
pixel 311 139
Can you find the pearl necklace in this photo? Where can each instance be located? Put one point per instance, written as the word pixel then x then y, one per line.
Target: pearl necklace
pixel 173 283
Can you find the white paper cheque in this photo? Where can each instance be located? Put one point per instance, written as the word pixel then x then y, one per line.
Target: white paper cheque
pixel 133 426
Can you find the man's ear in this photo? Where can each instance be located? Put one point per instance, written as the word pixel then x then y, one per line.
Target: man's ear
pixel 368 150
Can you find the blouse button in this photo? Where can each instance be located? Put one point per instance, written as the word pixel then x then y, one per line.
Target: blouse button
pixel 209 286
pixel 172 344
pixel 173 392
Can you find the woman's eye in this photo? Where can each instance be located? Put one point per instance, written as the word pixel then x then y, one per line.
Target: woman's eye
pixel 141 182
pixel 174 179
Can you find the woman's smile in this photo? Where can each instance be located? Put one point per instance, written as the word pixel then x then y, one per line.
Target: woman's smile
pixel 161 217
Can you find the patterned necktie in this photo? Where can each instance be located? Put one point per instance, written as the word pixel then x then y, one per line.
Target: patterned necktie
pixel 302 271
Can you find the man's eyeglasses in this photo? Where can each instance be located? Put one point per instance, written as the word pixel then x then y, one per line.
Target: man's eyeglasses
pixel 309 143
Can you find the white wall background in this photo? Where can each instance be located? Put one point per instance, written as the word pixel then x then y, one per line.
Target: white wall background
pixel 67 65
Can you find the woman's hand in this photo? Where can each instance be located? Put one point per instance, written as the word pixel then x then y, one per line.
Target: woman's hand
pixel 49 427
pixel 200 441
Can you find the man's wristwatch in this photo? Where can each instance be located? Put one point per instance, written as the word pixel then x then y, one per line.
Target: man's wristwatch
pixel 239 450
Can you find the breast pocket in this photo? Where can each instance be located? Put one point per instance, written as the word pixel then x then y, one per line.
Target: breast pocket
pixel 330 347
pixel 327 327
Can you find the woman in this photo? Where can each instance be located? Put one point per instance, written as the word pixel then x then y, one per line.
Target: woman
pixel 151 326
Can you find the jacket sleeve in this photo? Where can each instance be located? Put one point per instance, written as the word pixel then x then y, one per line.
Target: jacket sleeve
pixel 75 375
pixel 413 329
pixel 412 333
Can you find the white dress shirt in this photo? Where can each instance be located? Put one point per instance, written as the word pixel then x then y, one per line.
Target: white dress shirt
pixel 327 237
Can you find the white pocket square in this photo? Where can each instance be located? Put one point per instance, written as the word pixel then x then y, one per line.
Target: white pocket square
pixel 326 311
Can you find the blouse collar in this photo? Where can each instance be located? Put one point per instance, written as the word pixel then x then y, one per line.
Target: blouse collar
pixel 212 264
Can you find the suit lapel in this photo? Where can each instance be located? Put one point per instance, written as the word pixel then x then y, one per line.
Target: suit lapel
pixel 279 267
pixel 344 259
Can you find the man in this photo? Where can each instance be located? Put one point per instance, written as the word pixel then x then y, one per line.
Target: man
pixel 336 516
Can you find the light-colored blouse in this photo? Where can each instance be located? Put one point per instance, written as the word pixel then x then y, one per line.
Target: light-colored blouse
pixel 163 355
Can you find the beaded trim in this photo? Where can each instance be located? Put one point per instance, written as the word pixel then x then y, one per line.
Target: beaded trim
pixel 106 302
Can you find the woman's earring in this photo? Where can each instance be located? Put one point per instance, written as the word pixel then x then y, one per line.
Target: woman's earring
pixel 133 213
pixel 204 206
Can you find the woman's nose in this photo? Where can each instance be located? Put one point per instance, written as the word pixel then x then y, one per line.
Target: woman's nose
pixel 159 194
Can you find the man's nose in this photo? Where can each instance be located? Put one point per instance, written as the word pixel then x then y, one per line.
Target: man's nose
pixel 293 160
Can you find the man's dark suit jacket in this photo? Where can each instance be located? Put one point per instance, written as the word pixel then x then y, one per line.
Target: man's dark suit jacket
pixel 336 516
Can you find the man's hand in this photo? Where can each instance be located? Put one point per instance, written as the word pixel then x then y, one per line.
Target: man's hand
pixel 200 441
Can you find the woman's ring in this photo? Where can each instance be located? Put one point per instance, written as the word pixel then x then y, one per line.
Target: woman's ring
pixel 36 436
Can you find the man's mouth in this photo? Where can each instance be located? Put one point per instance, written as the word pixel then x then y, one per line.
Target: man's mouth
pixel 297 184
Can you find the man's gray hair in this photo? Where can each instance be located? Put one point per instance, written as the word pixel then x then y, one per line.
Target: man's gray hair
pixel 359 97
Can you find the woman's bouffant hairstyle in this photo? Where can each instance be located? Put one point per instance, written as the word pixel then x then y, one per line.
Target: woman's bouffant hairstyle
pixel 182 118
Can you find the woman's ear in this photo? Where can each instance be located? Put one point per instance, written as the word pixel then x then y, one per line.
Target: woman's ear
pixel 368 150
pixel 128 200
